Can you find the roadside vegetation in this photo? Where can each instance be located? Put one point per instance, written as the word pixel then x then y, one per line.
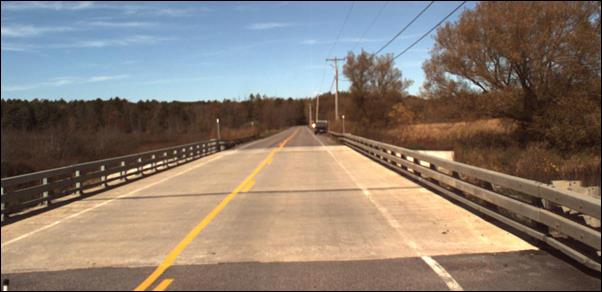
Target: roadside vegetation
pixel 511 86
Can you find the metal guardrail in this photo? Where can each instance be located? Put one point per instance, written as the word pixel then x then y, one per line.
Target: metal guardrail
pixel 539 210
pixel 40 189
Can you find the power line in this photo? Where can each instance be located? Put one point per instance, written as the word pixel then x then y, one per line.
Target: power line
pixel 331 85
pixel 404 29
pixel 430 31
pixel 336 41
pixel 371 24
pixel 342 28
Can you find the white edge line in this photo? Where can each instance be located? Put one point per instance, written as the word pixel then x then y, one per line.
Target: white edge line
pixel 451 283
pixel 19 238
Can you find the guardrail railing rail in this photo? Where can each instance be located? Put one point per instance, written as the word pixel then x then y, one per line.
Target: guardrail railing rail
pixel 554 216
pixel 41 189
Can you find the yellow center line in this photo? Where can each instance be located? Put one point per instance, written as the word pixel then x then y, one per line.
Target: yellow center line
pixel 173 254
pixel 249 186
pixel 163 285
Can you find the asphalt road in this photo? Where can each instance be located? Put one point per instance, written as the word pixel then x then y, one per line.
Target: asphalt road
pixel 289 212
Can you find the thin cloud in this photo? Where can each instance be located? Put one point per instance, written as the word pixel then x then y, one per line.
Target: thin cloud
pixel 123 8
pixel 117 42
pixel 48 5
pixel 156 10
pixel 63 81
pixel 17 48
pixel 22 31
pixel 89 44
pixel 120 24
pixel 312 42
pixel 268 25
pixel 173 80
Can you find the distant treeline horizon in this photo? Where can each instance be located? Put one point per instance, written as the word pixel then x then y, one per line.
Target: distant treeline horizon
pixel 41 134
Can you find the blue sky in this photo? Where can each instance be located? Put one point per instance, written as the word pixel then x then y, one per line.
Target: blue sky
pixel 198 50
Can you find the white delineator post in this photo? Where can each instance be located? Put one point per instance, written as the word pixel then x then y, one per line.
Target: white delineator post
pixel 218 132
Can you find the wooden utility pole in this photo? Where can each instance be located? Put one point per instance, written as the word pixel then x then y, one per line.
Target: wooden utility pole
pixel 310 117
pixel 317 107
pixel 336 78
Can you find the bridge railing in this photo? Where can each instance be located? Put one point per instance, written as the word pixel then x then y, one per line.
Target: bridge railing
pixel 560 218
pixel 41 189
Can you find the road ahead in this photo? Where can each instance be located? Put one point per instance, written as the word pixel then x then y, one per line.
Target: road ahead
pixel 292 211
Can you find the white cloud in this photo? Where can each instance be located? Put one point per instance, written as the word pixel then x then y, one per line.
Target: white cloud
pixel 174 80
pixel 21 31
pixel 127 9
pixel 105 78
pixel 91 44
pixel 268 25
pixel 63 81
pixel 312 42
pixel 117 42
pixel 156 10
pixel 16 48
pixel 51 5
pixel 120 24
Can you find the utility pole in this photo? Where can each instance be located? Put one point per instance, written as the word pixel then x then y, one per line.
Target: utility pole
pixel 336 78
pixel 317 107
pixel 310 117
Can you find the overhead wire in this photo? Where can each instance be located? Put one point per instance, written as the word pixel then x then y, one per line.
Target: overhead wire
pixel 404 28
pixel 430 31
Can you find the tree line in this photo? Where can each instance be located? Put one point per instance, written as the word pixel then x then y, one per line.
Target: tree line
pixel 42 134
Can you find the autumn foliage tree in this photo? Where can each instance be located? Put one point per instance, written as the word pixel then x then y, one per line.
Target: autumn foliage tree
pixel 376 86
pixel 528 58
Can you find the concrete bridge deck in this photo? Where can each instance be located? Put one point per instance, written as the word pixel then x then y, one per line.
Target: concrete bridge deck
pixel 293 211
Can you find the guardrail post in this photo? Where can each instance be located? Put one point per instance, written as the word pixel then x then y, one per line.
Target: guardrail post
pixel 417 162
pixel 45 195
pixel 103 177
pixel 3 205
pixel 78 184
pixel 434 168
pixel 154 163
pixel 123 172
pixel 140 167
pixel 403 166
pixel 455 175
pixel 389 160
